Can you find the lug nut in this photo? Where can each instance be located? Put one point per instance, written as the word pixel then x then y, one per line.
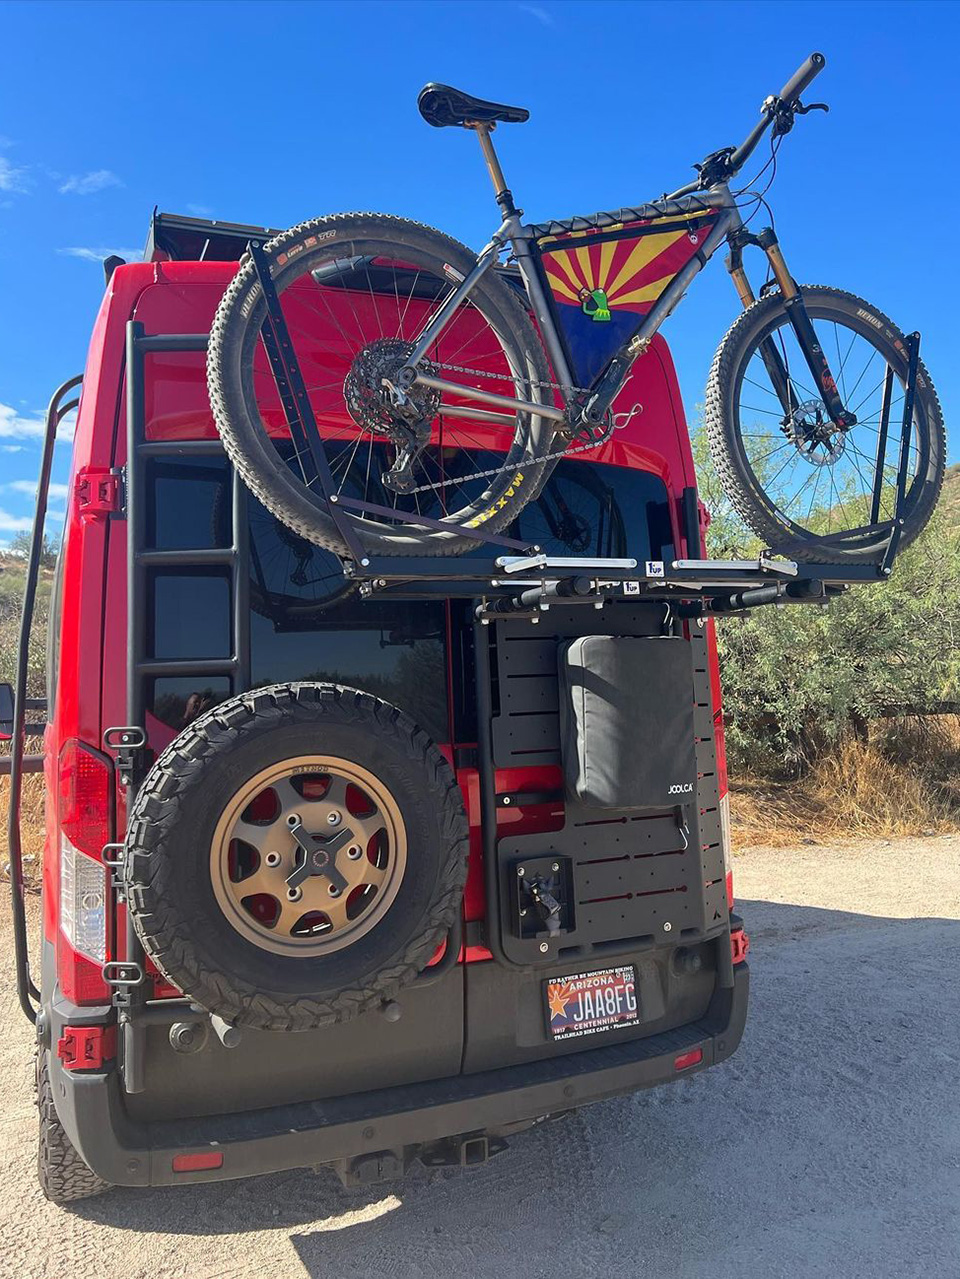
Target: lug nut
pixel 334 891
pixel 272 859
pixel 294 894
pixel 293 820
pixel 333 819
pixel 355 852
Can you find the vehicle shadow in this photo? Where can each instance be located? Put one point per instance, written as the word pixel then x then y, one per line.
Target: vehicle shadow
pixel 788 1159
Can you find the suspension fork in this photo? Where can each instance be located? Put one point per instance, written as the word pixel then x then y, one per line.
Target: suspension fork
pixel 813 354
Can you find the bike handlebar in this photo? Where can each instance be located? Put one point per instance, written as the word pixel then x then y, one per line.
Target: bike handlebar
pixel 802 78
pixel 722 165
pixel 785 102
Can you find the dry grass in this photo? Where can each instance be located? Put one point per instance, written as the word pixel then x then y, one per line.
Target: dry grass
pixel 904 780
pixel 31 826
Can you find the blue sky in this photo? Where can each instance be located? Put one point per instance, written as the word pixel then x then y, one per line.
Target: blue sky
pixel 271 113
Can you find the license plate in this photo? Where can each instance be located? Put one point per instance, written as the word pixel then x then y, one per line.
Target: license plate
pixel 587 1003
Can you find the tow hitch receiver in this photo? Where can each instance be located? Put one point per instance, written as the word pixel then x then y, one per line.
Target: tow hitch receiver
pixel 390 1165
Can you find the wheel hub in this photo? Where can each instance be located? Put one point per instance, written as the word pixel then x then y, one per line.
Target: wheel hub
pixel 369 400
pixel 308 856
pixel 814 435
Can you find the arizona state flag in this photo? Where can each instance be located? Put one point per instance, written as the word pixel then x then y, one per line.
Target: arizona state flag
pixel 604 280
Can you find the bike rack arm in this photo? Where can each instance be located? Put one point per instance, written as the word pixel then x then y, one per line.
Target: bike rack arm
pixel 26 990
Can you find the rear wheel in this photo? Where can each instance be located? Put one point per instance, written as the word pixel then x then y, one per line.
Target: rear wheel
pixel 356 291
pixel 64 1177
pixel 296 856
pixel 806 487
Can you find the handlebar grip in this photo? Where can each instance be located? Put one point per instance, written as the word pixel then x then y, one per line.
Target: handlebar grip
pixel 802 77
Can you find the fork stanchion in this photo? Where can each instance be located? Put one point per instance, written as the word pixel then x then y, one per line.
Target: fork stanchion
pixel 909 396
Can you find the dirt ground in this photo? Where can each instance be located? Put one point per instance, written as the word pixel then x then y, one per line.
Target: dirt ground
pixel 829 1145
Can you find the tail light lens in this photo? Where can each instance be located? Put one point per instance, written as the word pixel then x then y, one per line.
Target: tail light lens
pixel 84 815
pixel 83 902
pixel 725 845
pixel 84 811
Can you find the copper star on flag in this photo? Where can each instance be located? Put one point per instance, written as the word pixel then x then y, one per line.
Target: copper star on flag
pixel 559 998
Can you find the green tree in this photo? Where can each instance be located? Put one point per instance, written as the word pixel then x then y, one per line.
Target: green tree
pixel 797 678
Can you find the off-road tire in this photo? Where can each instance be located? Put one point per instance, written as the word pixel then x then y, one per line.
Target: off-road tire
pixel 753 504
pixel 167 860
pixel 64 1177
pixel 233 340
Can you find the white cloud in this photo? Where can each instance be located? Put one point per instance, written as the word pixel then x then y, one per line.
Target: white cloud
pixel 100 255
pixel 11 448
pixel 18 426
pixel 543 16
pixel 14 523
pixel 11 178
pixel 90 183
pixel 14 425
pixel 55 493
pixel 199 211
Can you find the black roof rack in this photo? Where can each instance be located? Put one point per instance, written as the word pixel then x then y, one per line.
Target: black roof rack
pixel 181 239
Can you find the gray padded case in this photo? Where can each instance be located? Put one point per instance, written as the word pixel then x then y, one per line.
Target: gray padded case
pixel 627 721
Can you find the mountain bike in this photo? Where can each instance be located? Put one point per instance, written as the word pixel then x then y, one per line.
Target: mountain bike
pixel 393 357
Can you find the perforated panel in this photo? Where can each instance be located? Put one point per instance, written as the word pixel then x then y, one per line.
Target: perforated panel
pixel 632 874
pixel 526 729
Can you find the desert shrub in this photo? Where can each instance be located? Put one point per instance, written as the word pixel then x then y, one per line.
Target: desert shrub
pixel 801 679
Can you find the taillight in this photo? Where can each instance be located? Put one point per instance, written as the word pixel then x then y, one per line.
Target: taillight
pixel 197 1163
pixel 84 808
pixel 725 845
pixel 692 1058
pixel 84 817
pixel 83 902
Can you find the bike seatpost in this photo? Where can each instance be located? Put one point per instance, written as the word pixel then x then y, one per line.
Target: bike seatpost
pixel 503 193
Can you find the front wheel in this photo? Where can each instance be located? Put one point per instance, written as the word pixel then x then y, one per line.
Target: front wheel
pixel 808 488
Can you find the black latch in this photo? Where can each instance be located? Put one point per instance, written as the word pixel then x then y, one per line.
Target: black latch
pixel 543 897
pixel 127 746
pixel 545 902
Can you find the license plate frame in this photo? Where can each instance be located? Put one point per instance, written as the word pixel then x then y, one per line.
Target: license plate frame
pixel 577 1005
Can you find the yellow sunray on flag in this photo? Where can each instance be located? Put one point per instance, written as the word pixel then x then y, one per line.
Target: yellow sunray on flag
pixel 566 263
pixel 649 292
pixel 607 251
pixel 583 261
pixel 561 287
pixel 645 250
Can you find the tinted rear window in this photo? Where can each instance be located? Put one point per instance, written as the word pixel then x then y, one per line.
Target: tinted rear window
pixel 303 625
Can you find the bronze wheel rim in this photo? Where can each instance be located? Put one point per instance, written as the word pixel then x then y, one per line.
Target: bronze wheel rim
pixel 308 856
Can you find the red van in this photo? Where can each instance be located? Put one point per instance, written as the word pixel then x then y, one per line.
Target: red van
pixel 594 955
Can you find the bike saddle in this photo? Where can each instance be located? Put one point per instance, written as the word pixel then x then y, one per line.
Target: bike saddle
pixel 441 105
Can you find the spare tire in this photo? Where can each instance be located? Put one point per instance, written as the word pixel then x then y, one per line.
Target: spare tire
pixel 296 855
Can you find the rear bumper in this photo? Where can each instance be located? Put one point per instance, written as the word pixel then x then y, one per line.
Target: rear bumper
pixel 90 1107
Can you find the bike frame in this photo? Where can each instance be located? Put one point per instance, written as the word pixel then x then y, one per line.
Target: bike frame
pixel 521 239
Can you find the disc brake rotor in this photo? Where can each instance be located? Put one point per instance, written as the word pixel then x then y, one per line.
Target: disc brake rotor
pixel 810 430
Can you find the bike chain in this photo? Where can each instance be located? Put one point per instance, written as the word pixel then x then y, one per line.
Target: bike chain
pixel 512 466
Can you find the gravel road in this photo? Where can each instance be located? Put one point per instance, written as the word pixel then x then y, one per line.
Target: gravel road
pixel 829 1145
